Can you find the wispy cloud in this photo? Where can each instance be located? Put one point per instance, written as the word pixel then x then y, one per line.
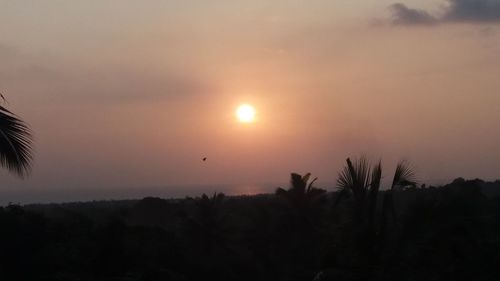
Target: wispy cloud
pixel 474 11
pixel 403 15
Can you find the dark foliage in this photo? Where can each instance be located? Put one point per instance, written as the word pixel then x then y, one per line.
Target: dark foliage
pixel 446 233
pixel 15 143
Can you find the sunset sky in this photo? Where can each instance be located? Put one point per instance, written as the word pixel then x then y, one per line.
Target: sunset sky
pixel 126 93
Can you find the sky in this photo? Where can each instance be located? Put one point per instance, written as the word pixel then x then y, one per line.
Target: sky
pixel 133 94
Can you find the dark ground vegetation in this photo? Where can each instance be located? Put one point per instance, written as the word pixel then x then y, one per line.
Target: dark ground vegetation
pixel 301 233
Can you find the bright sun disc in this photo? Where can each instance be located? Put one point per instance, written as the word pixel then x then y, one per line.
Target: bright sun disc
pixel 245 113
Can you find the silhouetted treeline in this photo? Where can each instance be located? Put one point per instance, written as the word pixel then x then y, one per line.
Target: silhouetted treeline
pixel 299 233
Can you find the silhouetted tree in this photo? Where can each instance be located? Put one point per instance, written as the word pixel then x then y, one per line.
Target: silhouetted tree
pixel 363 181
pixel 205 225
pixel 403 177
pixel 301 195
pixel 300 225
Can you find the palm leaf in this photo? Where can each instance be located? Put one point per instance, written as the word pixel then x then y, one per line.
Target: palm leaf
pixel 306 177
pixel 310 186
pixel 374 188
pixel 355 177
pixel 16 151
pixel 297 183
pixel 404 175
pixel 376 178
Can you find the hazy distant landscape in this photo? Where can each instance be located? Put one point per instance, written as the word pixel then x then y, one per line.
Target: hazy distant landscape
pixel 61 195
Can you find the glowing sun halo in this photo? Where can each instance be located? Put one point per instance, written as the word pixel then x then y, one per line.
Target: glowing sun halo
pixel 245 113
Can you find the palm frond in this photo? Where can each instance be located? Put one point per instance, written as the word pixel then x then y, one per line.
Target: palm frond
pixel 306 177
pixel 345 179
pixel 310 186
pixel 16 149
pixel 376 178
pixel 355 177
pixel 404 175
pixel 297 183
pixel 374 188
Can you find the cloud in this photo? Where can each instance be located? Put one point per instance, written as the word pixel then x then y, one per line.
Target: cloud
pixel 402 15
pixel 473 11
pixel 476 11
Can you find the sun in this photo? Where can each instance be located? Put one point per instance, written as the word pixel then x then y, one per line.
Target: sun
pixel 245 113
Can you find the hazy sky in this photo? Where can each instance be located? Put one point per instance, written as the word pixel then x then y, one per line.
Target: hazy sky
pixel 134 93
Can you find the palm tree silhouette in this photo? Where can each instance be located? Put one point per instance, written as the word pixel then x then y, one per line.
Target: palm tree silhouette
pixel 303 204
pixel 404 176
pixel 206 223
pixel 363 182
pixel 299 224
pixel 302 195
pixel 355 179
pixel 16 150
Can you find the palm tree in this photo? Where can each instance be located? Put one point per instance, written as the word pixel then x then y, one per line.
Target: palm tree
pixel 301 195
pixel 300 225
pixel 363 182
pixel 206 224
pixel 16 150
pixel 303 205
pixel 403 177
pixel 357 180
